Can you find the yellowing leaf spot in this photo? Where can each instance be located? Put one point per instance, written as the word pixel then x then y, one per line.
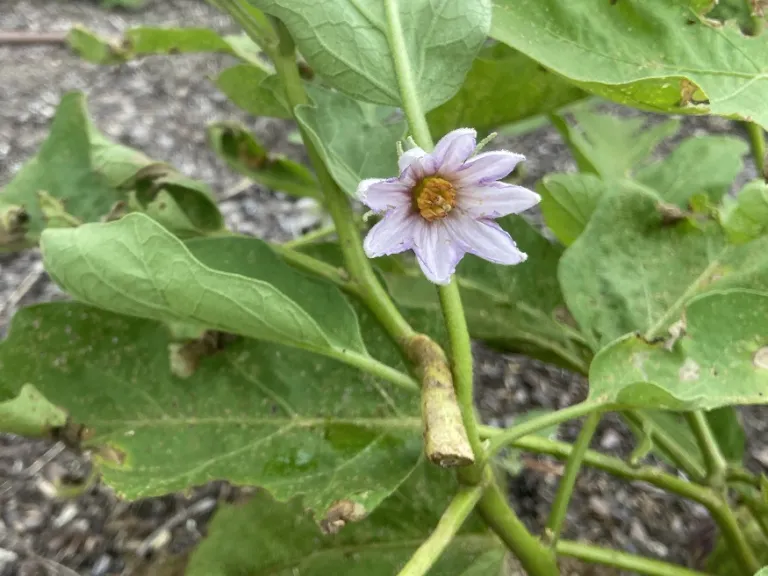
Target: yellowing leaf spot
pixel 760 359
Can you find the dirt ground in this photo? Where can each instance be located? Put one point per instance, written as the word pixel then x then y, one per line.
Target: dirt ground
pixel 162 106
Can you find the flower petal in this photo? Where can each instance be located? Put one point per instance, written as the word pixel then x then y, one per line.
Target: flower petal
pixel 453 149
pixel 436 251
pixel 487 167
pixel 393 234
pixel 409 156
pixel 495 199
pixel 381 194
pixel 486 239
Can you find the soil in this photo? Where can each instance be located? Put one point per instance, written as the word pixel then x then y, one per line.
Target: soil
pixel 161 106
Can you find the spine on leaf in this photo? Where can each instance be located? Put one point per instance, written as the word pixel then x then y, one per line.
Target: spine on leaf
pixel 445 439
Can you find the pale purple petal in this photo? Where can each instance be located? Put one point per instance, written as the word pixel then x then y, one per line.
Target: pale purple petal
pixel 484 238
pixel 381 194
pixel 436 251
pixel 393 234
pixel 495 199
pixel 409 156
pixel 486 167
pixel 453 149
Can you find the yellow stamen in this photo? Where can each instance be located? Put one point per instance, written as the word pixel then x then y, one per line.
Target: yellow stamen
pixel 434 198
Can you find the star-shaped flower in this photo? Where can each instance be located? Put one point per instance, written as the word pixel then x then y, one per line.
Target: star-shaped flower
pixel 443 205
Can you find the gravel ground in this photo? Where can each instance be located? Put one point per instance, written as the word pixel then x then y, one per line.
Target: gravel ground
pixel 161 106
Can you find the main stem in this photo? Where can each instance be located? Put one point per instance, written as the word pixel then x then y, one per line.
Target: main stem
pixel 450 522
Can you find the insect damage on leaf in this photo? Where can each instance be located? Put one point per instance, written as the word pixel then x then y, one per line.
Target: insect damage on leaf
pixel 760 359
pixel 689 371
pixel 339 514
pixel 185 357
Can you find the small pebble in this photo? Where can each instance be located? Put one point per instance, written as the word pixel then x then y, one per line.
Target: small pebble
pixel 610 440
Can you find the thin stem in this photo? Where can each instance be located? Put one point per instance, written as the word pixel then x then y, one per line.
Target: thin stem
pixel 371 291
pixel 253 21
pixel 376 368
pixel 452 519
pixel 536 559
pixel 757 143
pixel 461 367
pixel 622 560
pixel 710 450
pixel 408 93
pixel 683 459
pixel 310 237
pixel 734 537
pixel 508 436
pixel 568 481
pixel 317 267
pixel 742 475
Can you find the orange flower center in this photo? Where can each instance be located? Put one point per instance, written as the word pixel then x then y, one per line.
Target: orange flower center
pixel 434 198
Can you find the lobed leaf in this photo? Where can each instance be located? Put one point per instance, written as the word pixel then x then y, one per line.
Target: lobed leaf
pixel 568 201
pixel 252 413
pixel 255 90
pixel 657 55
pixel 290 543
pixel 356 140
pixel 30 414
pixel 746 218
pixel 721 360
pixel 503 86
pixel 136 267
pixel 346 43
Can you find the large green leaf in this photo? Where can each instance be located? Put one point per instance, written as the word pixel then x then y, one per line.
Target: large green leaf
pixel 568 201
pixel 608 145
pixel 90 177
pixel 30 414
pixel 290 543
pixel 719 361
pixel 252 413
pixel 136 267
pixel 242 152
pixel 653 54
pixel 701 165
pixel 503 86
pixel 633 270
pixel 145 41
pixel 746 217
pixel 517 308
pixel 356 140
pixel 346 43
pixel 255 90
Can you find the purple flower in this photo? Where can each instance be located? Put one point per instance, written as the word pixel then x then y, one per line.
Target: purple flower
pixel 443 204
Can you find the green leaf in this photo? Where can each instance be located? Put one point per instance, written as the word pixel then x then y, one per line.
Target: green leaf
pixel 90 177
pixel 656 54
pixel 608 145
pixel 355 139
pixel 30 414
pixel 253 413
pixel 145 41
pixel 503 86
pixel 345 42
pixel 255 90
pixel 518 308
pixel 290 543
pixel 136 267
pixel 762 572
pixel 243 153
pixel 746 218
pixel 633 271
pixel 568 201
pixel 701 165
pixel 719 361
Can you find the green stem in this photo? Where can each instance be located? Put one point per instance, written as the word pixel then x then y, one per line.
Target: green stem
pixel 360 270
pixel 622 560
pixel 252 21
pixel 734 537
pixel 317 267
pixel 572 467
pixel 502 438
pixel 452 519
pixel 376 368
pixel 536 559
pixel 742 475
pixel 757 143
pixel 408 93
pixel 311 237
pixel 710 450
pixel 683 459
pixel 461 367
